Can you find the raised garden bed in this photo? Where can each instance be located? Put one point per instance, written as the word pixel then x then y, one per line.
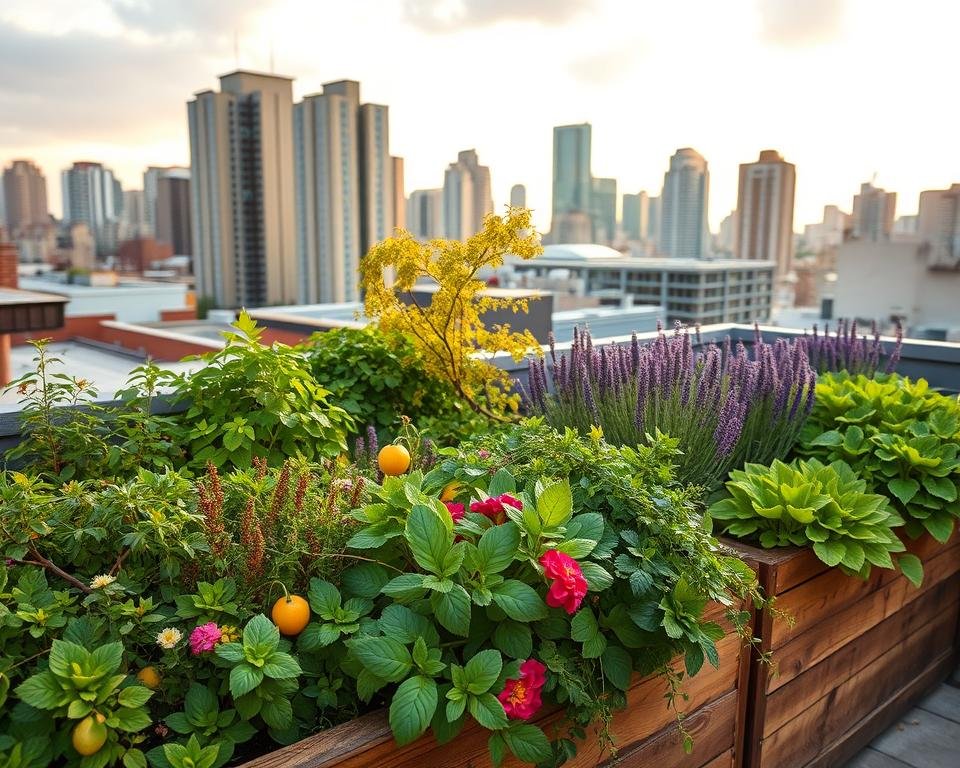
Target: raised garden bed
pixel 646 730
pixel 848 656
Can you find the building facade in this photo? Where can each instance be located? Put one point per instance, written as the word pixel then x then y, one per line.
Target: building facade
pixel 172 211
pixel 25 197
pixel 425 214
pixel 938 222
pixel 133 221
pixel 635 218
pixel 873 213
pixel 572 178
pixel 399 194
pixel 518 196
pixel 92 196
pixel 467 197
pixel 603 197
pixel 683 209
pixel 243 207
pixel 764 217
pixel 377 215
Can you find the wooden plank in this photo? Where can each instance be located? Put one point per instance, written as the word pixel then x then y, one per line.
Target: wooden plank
pixel 851 639
pixel 722 761
pixel 824 596
pixel 789 701
pixel 711 726
pixel 870 758
pixel 945 701
pixel 347 745
pixel 923 739
pixel 827 721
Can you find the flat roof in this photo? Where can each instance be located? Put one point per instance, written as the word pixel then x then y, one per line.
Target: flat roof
pixel 661 263
pixel 15 297
pixel 125 285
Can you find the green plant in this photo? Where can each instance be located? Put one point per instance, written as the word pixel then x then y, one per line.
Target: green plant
pixel 376 377
pixel 901 436
pixel 807 503
pixel 251 400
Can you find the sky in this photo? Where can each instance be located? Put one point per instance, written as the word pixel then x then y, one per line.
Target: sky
pixel 845 89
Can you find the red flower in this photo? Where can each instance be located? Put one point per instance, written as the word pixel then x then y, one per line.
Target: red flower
pixel 456 510
pixel 569 587
pixel 521 697
pixel 494 507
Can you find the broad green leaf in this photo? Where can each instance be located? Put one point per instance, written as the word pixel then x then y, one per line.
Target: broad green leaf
pixel 519 601
pixel 912 568
pixel 497 547
pixel 324 598
pixel 513 638
pixel 904 490
pixel 412 708
pixel 385 657
pixel 482 671
pixel 281 665
pixel 260 637
pixel 527 742
pixel 555 504
pixel 487 710
pixel 830 552
pixel 428 537
pixel 617 666
pixel 134 696
pixel 244 678
pixel 452 610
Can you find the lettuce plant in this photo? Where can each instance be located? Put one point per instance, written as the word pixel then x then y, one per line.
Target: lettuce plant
pixel 901 436
pixel 807 503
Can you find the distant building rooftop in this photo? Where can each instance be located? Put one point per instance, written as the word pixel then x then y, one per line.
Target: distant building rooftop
pixel 588 254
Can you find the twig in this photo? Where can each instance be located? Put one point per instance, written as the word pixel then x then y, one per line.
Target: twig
pixel 120 559
pixel 49 565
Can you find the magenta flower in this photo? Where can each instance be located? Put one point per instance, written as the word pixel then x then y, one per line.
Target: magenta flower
pixel 204 638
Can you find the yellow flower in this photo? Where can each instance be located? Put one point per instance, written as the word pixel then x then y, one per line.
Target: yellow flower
pixel 102 580
pixel 169 637
pixel 229 634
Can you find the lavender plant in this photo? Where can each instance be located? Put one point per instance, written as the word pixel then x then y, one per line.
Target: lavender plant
pixel 846 351
pixel 725 407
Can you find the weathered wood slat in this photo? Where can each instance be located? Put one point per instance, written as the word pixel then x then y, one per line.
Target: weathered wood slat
pixel 927 738
pixel 945 701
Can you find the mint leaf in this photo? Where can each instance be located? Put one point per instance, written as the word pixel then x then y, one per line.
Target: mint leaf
pixel 412 708
pixel 519 601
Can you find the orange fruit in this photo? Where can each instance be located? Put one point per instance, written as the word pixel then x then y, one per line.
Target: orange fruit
pixel 89 735
pixel 149 677
pixel 450 491
pixel 291 614
pixel 393 459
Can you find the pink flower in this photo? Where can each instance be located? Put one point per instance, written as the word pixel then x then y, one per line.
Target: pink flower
pixel 521 697
pixel 204 638
pixel 494 507
pixel 456 510
pixel 483 453
pixel 569 587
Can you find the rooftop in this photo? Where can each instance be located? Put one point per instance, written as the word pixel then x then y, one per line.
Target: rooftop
pixel 583 254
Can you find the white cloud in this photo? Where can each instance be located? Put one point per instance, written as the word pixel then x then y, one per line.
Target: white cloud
pixel 453 15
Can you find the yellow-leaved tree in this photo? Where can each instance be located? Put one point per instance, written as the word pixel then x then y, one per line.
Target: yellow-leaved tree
pixel 449 329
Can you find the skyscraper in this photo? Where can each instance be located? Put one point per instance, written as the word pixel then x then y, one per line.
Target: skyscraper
pixel 653 221
pixel 466 196
pixel 425 213
pixel 242 171
pixel 399 194
pixel 571 170
pixel 683 217
pixel 603 197
pixel 938 222
pixel 25 197
pixel 764 221
pixel 376 176
pixel 873 213
pixel 93 196
pixel 518 195
pixel 151 178
pixel 635 217
pixel 173 211
pixel 133 220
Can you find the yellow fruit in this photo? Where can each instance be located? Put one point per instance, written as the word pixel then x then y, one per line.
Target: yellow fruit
pixel 291 614
pixel 450 491
pixel 89 735
pixel 393 459
pixel 149 677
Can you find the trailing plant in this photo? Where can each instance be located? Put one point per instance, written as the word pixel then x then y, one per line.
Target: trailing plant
pixel 810 504
pixel 845 351
pixel 251 400
pixel 378 377
pixel 724 408
pixel 450 331
pixel 898 434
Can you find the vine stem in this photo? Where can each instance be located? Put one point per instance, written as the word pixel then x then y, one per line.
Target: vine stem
pixel 49 565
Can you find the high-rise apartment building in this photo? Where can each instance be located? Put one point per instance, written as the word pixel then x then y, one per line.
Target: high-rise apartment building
pixel 572 179
pixel 466 196
pixel 873 213
pixel 653 221
pixel 133 220
pixel 938 222
pixel 603 199
pixel 518 196
pixel 172 211
pixel 25 197
pixel 242 171
pixel 151 184
pixel 93 196
pixel 345 188
pixel 399 194
pixel 425 214
pixel 830 232
pixel 635 216
pixel 683 213
pixel 764 221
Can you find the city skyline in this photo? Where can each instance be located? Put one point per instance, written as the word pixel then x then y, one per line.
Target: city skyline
pixel 575 70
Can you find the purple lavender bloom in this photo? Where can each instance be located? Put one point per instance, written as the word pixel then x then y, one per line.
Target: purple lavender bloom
pixel 588 398
pixel 359 449
pixel 898 348
pixel 729 425
pixel 634 353
pixel 372 444
pixel 552 341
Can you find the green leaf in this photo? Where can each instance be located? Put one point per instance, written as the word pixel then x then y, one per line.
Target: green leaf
pixel 940 526
pixel 617 666
pixel 134 758
pixel 281 665
pixel 199 703
pixel 364 580
pixel 106 659
pixel 277 713
pixel 497 547
pixel 324 598
pixel 528 743
pixel 134 696
pixel 513 638
pixel 941 487
pixel 555 504
pixel 482 671
pixel 42 691
pixel 830 552
pixel 584 629
pixel 502 482
pixel 912 568
pixel 244 678
pixel 452 610
pixel 497 748
pixel 519 601
pixel 428 537
pixel 904 490
pixel 487 710
pixel 260 637
pixel 407 586
pixel 385 657
pixel 232 652
pixel 598 579
pixel 412 708
pixel 132 720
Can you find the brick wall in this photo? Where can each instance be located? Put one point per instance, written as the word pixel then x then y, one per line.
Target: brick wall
pixel 8 265
pixel 158 345
pixel 81 327
pixel 171 315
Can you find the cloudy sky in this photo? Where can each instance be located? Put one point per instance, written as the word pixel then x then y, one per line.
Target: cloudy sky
pixel 843 88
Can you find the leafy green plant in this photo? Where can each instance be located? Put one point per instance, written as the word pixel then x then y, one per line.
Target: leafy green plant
pixel 251 400
pixel 807 503
pixel 901 436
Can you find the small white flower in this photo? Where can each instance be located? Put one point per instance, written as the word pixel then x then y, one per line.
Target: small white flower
pixel 169 637
pixel 102 580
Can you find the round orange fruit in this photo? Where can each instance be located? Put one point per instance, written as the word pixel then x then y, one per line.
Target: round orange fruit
pixel 149 677
pixel 393 459
pixel 89 735
pixel 291 614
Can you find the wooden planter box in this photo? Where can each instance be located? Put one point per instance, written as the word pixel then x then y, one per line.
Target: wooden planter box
pixel 849 657
pixel 646 730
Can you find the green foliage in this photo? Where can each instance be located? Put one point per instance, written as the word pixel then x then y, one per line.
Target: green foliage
pixel 251 400
pixel 807 503
pixel 901 436
pixel 376 377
